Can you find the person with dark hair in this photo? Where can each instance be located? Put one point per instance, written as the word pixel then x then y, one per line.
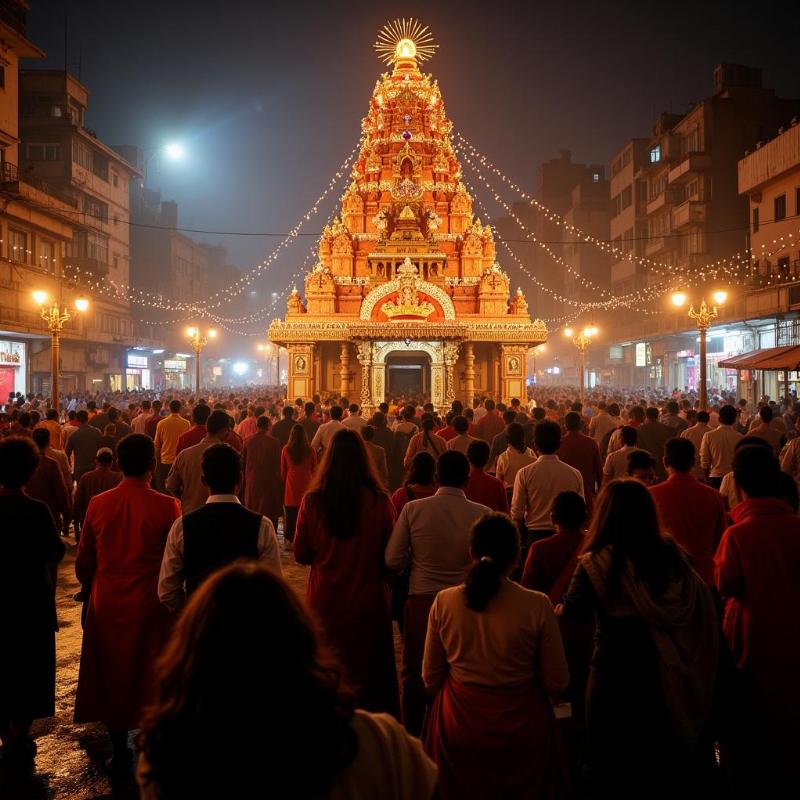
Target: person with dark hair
pixel 326 431
pixel 50 422
pixel 82 445
pixel 47 483
pixel 420 481
pixel 343 526
pixel 601 424
pixel 185 478
pixel 426 440
pixel 168 431
pixel 764 428
pixel 155 418
pixel 309 420
pixel 757 565
pixel 117 564
pixel 139 422
pixel 298 462
pixel 481 487
pixel 516 456
pixel 717 447
pixel 197 432
pixel 262 486
pixel 31 550
pixel 283 427
pixel 695 433
pixel 462 440
pixel 490 424
pixel 693 514
pixel 376 453
pixel 672 418
pixel 403 431
pixel 493 658
pixel 616 465
pixel 96 481
pixel 537 485
pixel 354 421
pixel 115 419
pixel 651 685
pixel 642 467
pixel 582 452
pixel 652 436
pixel 447 432
pixel 242 630
pixel 431 536
pixel 219 533
pixel 552 560
pixel 500 442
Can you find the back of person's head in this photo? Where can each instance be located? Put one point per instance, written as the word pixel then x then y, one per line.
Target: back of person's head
pixel 112 415
pixel 640 459
pixel 673 407
pixel 569 511
pixel 262 422
pixel 614 409
pixel 383 408
pixel 629 435
pixel 222 469
pixel 478 453
pixel 217 422
pixel 539 413
pixel 625 519
pixel 345 473
pixel 309 409
pixel 157 405
pixel 368 432
pixel 765 412
pixel 515 436
pixel 727 415
pixel 104 456
pixel 288 412
pixel 638 414
pixel 422 469
pixel 298 446
pixel 82 416
pixel 651 413
pixel 243 627
pixel 24 419
pixel 41 437
pixel 409 412
pixel 573 422
pixel 52 414
pixel 494 546
pixel 379 419
pixel 18 461
pixel 547 437
pixel 145 405
pixel 509 415
pixel 679 454
pixel 460 424
pixel 756 471
pixel 110 429
pixel 457 407
pixel 200 414
pixel 336 412
pixel 577 407
pixel 135 455
pixel 489 404
pixel 353 409
pixel 452 469
pixel 428 423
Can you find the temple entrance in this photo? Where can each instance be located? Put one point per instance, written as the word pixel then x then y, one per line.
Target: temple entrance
pixel 408 374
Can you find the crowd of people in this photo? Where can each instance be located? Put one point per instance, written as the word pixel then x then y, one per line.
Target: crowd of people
pixel 593 599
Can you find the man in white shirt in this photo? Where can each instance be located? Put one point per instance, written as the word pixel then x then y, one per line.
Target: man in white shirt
pixel 537 486
pixel 695 435
pixel 432 536
pixel 616 465
pixel 602 422
pixel 462 440
pixel 354 421
pixel 139 423
pixel 717 446
pixel 326 431
pixel 215 535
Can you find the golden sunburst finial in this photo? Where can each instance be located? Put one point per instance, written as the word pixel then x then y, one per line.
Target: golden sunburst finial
pixel 405 40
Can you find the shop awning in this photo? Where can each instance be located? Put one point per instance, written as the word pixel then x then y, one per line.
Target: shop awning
pixel 774 358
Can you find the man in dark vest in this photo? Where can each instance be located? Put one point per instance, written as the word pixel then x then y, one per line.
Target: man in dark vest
pixel 216 534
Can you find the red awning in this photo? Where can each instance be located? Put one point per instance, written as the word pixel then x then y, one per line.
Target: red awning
pixel 774 358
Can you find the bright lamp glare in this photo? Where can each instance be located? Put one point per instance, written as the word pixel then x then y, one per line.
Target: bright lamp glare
pixel 679 299
pixel 191 331
pixel 240 367
pixel 40 298
pixel 81 303
pixel 174 151
pixel 720 297
pixel 212 333
pixel 567 331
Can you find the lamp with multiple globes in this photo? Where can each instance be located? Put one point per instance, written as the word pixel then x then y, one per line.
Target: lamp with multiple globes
pixel 582 339
pixel 55 318
pixel 198 340
pixel 703 317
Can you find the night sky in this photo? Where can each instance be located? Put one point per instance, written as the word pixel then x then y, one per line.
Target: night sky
pixel 268 96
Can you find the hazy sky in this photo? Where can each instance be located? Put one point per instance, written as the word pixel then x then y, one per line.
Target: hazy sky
pixel 267 97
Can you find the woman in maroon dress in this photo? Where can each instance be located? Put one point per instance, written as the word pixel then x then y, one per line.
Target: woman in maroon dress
pixel 343 526
pixel 298 460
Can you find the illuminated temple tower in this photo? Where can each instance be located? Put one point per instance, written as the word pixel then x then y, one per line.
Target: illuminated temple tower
pixel 407 297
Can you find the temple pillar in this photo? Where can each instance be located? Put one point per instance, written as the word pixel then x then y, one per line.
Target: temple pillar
pixel 300 377
pixel 344 370
pixel 469 374
pixel 450 358
pixel 512 371
pixel 364 350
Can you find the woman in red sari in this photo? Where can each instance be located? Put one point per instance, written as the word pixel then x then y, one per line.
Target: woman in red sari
pixel 298 460
pixel 493 656
pixel 420 481
pixel 343 526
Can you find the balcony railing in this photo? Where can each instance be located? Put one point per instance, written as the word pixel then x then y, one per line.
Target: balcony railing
pixel 87 264
pixel 689 166
pixel 690 212
pixel 8 172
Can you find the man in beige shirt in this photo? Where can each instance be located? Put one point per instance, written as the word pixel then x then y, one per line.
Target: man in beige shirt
pixel 717 447
pixel 168 431
pixel 695 435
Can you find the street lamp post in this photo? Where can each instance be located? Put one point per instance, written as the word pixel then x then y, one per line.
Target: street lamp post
pixel 56 318
pixel 267 350
pixel 582 340
pixel 536 350
pixel 198 341
pixel 704 316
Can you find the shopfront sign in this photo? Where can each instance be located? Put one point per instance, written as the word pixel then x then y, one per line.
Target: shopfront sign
pixel 641 354
pixel 174 365
pixel 139 362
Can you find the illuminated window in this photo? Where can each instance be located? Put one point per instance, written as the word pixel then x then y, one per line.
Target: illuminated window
pixel 655 154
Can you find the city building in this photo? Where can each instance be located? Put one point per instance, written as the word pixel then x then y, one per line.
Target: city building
pixel 407 297
pixel 675 207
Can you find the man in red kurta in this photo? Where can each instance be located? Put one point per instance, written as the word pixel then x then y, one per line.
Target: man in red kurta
pixel 262 487
pixel 757 569
pixel 482 488
pixel 118 562
pixel 581 452
pixel 693 514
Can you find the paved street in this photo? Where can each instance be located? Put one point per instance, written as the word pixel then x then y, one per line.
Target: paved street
pixel 70 760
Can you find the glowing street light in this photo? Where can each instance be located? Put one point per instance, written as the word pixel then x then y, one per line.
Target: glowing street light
pixel 582 340
pixel 198 341
pixel 268 348
pixel 174 151
pixel 56 318
pixel 703 317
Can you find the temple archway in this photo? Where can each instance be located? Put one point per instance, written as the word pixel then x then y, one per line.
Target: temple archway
pixel 408 374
